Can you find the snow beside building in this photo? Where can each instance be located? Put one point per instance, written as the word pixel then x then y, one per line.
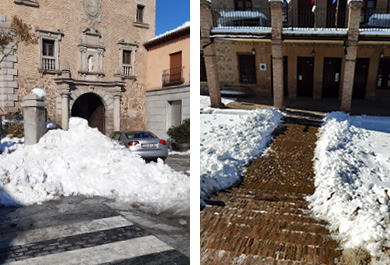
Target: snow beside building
pixel 82 161
pixel 352 167
pixel 229 139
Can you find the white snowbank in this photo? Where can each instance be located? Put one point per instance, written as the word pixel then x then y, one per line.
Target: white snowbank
pixel 229 139
pixel 8 144
pixel 82 161
pixel 352 167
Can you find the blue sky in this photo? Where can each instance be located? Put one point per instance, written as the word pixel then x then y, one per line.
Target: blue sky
pixel 170 14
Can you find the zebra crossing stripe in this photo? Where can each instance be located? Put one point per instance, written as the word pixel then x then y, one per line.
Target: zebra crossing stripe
pixel 111 252
pixel 78 228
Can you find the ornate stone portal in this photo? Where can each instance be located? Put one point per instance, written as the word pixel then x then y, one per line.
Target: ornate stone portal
pixel 89 97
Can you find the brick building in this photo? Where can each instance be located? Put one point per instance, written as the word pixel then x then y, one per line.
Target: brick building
pixel 322 49
pixel 90 60
pixel 168 80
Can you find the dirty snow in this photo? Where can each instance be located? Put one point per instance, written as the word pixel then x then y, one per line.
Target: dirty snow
pixel 229 139
pixel 352 167
pixel 82 161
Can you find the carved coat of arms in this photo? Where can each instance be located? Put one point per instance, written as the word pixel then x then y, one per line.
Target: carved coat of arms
pixel 92 10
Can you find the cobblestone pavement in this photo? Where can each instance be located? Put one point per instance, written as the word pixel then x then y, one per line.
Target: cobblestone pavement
pixel 265 219
pixel 78 230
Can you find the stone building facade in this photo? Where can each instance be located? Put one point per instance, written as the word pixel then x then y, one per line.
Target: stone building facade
pixel 326 50
pixel 168 80
pixel 89 59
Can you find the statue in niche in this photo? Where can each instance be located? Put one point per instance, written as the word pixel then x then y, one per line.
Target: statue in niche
pixel 90 63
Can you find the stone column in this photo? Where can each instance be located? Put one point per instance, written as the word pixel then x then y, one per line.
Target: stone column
pixel 117 112
pixel 65 110
pixel 277 51
pixel 34 118
pixel 351 51
pixel 100 60
pixel 208 46
pixel 83 58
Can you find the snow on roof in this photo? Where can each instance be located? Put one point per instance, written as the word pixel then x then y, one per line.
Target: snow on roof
pixel 262 30
pixel 237 36
pixel 322 31
pixel 250 32
pixel 246 30
pixel 185 25
pixel 384 32
pixel 242 14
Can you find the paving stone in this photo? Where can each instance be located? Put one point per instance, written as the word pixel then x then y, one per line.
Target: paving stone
pixel 266 219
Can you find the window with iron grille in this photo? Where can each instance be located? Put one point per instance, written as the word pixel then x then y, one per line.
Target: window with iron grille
pixel 48 59
pixel 49 42
pixel 127 67
pixel 128 51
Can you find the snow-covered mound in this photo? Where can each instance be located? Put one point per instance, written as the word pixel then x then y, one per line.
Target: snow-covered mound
pixel 352 167
pixel 82 161
pixel 229 139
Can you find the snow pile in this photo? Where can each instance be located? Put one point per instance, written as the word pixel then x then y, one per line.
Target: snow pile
pixel 229 139
pixel 8 144
pixel 82 161
pixel 39 92
pixel 352 166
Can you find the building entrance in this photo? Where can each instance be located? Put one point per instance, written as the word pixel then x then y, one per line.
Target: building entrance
pixel 90 107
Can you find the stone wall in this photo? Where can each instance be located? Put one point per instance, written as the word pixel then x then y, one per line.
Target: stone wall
pixel 8 73
pixel 157 109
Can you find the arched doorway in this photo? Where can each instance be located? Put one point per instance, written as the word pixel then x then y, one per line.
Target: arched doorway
pixel 89 106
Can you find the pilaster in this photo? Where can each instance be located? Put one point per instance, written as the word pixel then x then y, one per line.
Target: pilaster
pixel 209 54
pixel 277 51
pixel 351 51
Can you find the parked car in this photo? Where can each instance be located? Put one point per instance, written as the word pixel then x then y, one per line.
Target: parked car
pixel 143 143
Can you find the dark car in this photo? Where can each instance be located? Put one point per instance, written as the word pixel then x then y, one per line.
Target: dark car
pixel 143 143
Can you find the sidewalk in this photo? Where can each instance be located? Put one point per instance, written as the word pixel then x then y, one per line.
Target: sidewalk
pixel 266 219
pixel 359 106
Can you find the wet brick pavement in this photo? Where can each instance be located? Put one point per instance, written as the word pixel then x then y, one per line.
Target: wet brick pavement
pixel 266 219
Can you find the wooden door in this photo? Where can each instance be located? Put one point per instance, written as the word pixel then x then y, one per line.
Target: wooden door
pixel 247 68
pixel 305 71
pixel 333 15
pixel 331 78
pixel 305 16
pixel 360 79
pixel 383 79
pixel 175 67
pixel 285 76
